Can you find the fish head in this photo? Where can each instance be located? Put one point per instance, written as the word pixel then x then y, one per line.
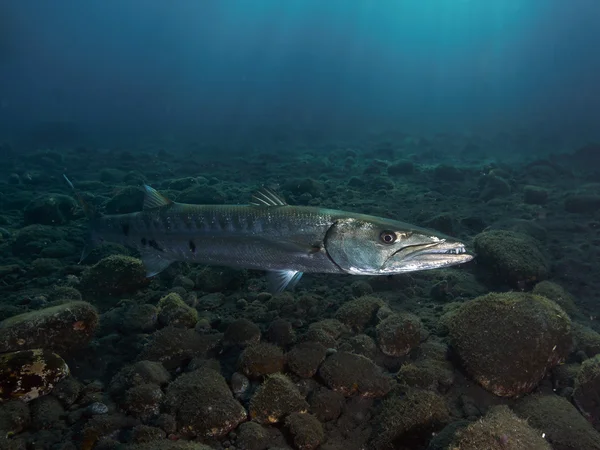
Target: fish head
pixel 367 245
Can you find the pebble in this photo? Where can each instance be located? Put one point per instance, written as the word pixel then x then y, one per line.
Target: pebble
pixel 96 409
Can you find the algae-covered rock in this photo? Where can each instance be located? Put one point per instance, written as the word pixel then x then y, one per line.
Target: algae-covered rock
pixel 37 239
pixel 114 275
pixel 557 294
pixel 141 372
pixel 508 341
pixel 500 429
pixel 305 429
pixel 586 340
pixel 203 404
pixel 261 359
pixel 173 311
pixel 143 401
pixel 15 417
pixel 564 426
pixel 427 374
pixel 29 374
pixel 326 332
pixel 398 334
pixel 326 404
pixel 241 332
pixel 351 374
pixel 276 398
pixel 513 258
pixel 50 209
pixel 61 328
pixel 409 415
pixel 305 358
pixel 586 394
pixel 359 312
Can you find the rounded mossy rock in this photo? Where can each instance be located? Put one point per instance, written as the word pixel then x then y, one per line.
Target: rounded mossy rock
pixel 500 429
pixel 513 258
pixel 138 373
pixel 586 340
pixel 305 358
pixel 326 404
pixel 112 276
pixel 359 312
pixel 398 334
pixel 261 359
pixel 557 294
pixel 241 332
pixel 565 427
pixel 143 401
pixel 29 374
pixel 203 404
pixel 275 398
pixel 252 436
pixel 408 416
pixel 326 332
pixel 62 328
pixel 586 394
pixel 50 209
pixel 351 374
pixel 305 429
pixel 173 311
pixel 508 341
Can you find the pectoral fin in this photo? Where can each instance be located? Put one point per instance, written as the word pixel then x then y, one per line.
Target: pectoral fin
pixel 154 263
pixel 279 280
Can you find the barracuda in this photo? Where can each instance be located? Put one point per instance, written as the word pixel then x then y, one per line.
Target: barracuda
pixel 268 234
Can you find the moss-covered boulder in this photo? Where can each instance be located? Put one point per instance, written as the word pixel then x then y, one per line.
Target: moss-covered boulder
pixel 500 429
pixel 351 374
pixel 586 340
pixel 408 416
pixel 50 209
pixel 359 312
pixel 557 294
pixel 398 334
pixel 508 341
pixel 203 404
pixel 512 258
pixel 564 426
pixel 261 359
pixel 29 374
pixel 275 398
pixel 305 429
pixel 241 332
pixel 173 311
pixel 586 394
pixel 305 358
pixel 61 328
pixel 112 276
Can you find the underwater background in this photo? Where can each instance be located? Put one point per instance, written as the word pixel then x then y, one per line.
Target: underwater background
pixel 476 119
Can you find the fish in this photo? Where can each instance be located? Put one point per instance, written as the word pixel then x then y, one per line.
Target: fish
pixel 268 234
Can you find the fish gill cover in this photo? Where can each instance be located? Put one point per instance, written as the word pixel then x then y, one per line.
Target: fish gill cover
pixel 357 143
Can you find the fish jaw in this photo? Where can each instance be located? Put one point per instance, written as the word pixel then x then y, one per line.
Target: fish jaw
pixel 426 257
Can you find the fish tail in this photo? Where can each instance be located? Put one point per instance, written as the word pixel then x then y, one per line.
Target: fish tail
pixel 92 214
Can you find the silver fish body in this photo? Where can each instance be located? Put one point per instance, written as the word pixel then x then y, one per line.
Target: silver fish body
pixel 270 235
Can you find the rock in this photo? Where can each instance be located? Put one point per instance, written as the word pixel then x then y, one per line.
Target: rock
pixel 305 429
pixel 535 195
pixel 146 434
pixel 582 203
pixel 299 186
pixel 500 429
pixel 352 374
pixel 586 340
pixel 143 401
pixel 173 311
pixel 305 358
pixel 326 404
pixel 508 341
pixel 409 414
pixel 326 332
pixel 175 346
pixel 401 168
pixel 61 328
pixel 261 359
pixel 586 394
pixel 281 333
pixel 15 417
pixel 558 295
pixel 564 427
pixel 203 404
pixel 364 345
pixel 46 413
pixel 275 399
pixel 513 258
pixel 448 173
pixel 35 240
pixel 493 186
pixel 112 276
pixel 241 333
pixel 427 374
pixel 50 209
pixel 239 384
pixel 201 195
pixel 252 436
pixel 29 374
pixel 360 312
pixel 398 334
pixel 360 288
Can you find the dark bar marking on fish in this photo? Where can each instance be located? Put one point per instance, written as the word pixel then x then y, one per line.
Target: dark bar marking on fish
pixel 144 242
pixel 152 243
pixel 192 246
pixel 125 229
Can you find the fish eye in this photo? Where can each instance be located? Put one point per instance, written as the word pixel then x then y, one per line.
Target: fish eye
pixel 387 237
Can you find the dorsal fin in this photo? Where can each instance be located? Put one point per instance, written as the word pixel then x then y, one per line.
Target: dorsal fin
pixel 266 197
pixel 154 199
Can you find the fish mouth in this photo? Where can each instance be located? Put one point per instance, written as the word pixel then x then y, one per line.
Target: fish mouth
pixel 430 255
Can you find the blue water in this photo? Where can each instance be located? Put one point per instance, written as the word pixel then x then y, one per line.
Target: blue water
pixel 239 69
